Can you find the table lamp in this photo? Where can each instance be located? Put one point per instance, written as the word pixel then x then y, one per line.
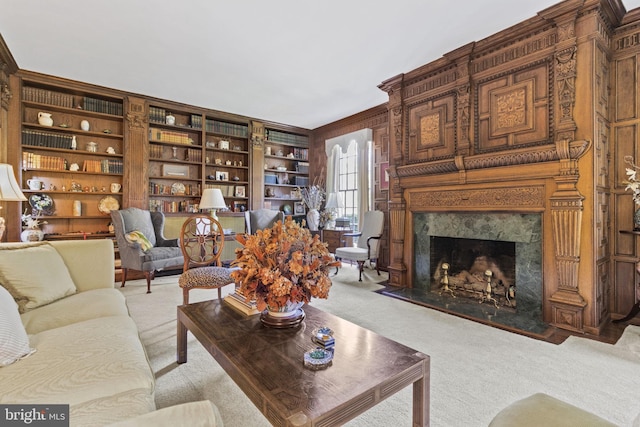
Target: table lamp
pixel 9 190
pixel 212 199
pixel 334 202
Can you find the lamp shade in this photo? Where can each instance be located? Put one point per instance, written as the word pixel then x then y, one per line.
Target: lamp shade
pixel 334 201
pixel 212 198
pixel 9 188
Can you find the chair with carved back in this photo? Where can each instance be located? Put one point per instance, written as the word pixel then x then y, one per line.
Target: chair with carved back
pixel 201 241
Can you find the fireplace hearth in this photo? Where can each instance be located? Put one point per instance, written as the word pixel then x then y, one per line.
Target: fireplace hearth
pixel 508 245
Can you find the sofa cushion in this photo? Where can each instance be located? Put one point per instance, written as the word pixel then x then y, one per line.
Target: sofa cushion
pixel 75 308
pixel 14 342
pixel 106 410
pixel 202 413
pixel 35 275
pixel 78 363
pixel 543 410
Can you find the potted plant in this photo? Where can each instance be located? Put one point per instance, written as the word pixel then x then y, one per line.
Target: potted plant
pixel 281 268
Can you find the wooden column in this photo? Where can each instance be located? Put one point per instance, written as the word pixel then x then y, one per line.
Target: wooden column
pixel 135 186
pixel 9 95
pixel 397 267
pixel 256 174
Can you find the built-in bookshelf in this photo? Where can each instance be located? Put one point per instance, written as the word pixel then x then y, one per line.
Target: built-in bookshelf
pixel 227 160
pixel 72 147
pixel 286 171
pixel 189 152
pixel 175 161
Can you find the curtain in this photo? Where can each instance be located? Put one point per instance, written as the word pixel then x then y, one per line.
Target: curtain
pixel 333 146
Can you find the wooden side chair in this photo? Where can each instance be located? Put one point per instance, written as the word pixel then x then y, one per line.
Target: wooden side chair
pixel 201 240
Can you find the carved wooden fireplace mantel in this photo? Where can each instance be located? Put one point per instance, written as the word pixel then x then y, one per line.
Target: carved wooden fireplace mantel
pixel 498 125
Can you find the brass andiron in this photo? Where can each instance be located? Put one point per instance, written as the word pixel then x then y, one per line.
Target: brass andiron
pixel 487 293
pixel 445 280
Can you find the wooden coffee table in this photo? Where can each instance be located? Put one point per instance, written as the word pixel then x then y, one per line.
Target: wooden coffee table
pixel 267 364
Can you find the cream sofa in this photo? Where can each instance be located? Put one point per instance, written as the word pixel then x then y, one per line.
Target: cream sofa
pixel 87 350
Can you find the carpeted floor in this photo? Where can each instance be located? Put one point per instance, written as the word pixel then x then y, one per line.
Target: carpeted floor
pixel 476 370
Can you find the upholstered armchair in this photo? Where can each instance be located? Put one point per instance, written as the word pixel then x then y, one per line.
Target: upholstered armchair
pixel 142 245
pixel 369 236
pixel 261 218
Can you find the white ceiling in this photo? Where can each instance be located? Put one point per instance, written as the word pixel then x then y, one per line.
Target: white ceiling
pixel 287 61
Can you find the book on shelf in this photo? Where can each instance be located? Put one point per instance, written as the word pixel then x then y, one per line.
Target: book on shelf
pixel 156 134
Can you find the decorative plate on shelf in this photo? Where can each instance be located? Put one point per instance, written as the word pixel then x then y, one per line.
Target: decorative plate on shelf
pixel 108 204
pixel 178 188
pixel 41 202
pixel 287 209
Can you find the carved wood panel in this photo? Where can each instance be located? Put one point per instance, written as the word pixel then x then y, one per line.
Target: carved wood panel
pixel 432 129
pixel 513 110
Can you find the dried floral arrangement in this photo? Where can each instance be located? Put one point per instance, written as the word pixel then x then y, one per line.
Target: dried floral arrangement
pixel 632 183
pixel 282 264
pixel 314 195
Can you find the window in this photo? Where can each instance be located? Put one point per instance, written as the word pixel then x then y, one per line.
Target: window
pixel 349 163
pixel 348 184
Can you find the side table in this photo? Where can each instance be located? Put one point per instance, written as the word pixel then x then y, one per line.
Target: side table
pixel 333 238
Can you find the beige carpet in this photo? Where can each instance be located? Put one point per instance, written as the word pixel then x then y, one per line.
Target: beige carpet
pixel 476 370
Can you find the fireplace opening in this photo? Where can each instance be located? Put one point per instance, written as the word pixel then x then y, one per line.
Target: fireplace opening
pixel 513 241
pixel 481 270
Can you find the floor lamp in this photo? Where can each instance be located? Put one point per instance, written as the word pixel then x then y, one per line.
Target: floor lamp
pixel 213 199
pixel 9 190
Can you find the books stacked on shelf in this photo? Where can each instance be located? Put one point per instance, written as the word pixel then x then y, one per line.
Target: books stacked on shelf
pixel 301 154
pixel 289 138
pixel 157 115
pixel 155 151
pixel 102 106
pixel 173 207
pixel 238 302
pixel 156 134
pixel 231 129
pixel 302 167
pixel 46 139
pixel 44 96
pixel 38 161
pixel 157 189
pixel 193 155
pixel 103 166
pixel 196 121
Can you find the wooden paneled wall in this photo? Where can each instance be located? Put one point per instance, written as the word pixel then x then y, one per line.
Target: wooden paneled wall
pixel 375 119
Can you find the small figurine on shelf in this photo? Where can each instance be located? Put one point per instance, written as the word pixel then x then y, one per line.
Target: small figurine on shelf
pixel 74 143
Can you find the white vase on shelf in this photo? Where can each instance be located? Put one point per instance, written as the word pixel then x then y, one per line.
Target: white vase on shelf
pixel 313 219
pixel 32 235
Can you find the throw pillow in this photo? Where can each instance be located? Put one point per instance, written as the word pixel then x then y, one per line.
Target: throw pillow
pixel 14 341
pixel 34 275
pixel 139 238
